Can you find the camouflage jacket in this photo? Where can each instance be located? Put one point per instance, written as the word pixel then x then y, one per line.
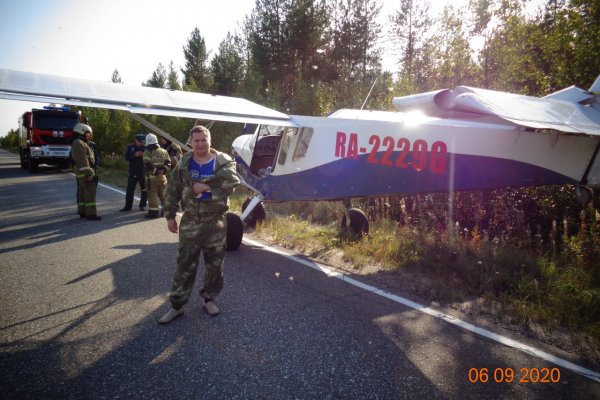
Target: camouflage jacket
pixel 179 187
pixel 83 156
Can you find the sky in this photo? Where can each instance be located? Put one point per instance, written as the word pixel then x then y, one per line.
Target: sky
pixel 90 39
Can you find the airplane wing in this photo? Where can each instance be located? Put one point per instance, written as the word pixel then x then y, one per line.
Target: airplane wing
pixel 539 113
pixel 28 86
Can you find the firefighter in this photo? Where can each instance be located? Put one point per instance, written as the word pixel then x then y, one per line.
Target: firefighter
pixel 173 149
pixel 156 164
pixel 83 157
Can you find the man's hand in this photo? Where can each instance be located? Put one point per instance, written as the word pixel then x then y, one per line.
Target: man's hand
pixel 89 178
pixel 139 153
pixel 199 188
pixel 172 225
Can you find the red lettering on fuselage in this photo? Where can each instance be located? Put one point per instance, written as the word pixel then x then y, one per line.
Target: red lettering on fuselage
pixel 340 145
pixel 353 146
pixel 417 154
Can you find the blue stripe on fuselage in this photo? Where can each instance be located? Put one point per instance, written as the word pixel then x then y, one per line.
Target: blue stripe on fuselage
pixel 359 178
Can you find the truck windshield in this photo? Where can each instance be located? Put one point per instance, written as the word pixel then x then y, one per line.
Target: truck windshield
pixel 55 122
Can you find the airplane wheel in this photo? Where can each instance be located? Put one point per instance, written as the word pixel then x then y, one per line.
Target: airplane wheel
pixel 583 194
pixel 235 231
pixel 359 224
pixel 257 215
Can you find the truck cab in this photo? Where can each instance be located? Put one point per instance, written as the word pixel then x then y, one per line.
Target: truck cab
pixel 45 136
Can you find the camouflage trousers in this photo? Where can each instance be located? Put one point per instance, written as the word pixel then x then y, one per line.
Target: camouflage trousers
pixel 86 196
pixel 156 192
pixel 204 234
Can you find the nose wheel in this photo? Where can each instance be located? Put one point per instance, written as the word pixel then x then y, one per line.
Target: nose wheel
pixel 257 215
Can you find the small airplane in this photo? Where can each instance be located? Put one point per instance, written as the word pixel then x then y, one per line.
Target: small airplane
pixel 446 140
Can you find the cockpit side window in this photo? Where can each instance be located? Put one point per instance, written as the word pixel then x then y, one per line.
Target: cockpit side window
pixel 302 143
pixel 286 141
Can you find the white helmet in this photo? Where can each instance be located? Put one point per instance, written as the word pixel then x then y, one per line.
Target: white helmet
pixel 151 139
pixel 81 129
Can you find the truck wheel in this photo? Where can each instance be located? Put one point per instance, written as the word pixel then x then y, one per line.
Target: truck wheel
pixel 235 231
pixel 23 160
pixel 32 165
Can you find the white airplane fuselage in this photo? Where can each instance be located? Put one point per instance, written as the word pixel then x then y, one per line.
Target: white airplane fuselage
pixel 372 153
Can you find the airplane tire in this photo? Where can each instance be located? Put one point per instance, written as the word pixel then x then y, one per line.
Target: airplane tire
pixel 235 231
pixel 359 224
pixel 257 215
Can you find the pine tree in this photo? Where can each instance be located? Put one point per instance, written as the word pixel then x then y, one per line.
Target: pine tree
pixel 196 73
pixel 172 78
pixel 409 30
pixel 227 67
pixel 116 77
pixel 158 78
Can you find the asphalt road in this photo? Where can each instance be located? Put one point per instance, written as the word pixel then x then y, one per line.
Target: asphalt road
pixel 80 300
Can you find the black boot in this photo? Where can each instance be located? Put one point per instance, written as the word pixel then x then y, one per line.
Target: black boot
pixel 152 214
pixel 93 217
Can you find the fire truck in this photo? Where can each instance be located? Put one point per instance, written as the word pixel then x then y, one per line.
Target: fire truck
pixel 45 136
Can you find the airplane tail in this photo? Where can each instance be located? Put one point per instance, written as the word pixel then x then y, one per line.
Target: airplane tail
pixel 595 88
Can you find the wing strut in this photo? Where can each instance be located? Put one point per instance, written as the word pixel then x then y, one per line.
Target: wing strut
pixel 156 129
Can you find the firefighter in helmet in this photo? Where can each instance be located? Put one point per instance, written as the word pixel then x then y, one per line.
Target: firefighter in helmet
pixel 84 160
pixel 156 164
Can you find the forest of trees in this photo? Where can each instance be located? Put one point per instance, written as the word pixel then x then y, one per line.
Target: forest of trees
pixel 311 57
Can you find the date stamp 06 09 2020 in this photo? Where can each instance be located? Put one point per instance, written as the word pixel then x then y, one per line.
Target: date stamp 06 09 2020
pixel 508 375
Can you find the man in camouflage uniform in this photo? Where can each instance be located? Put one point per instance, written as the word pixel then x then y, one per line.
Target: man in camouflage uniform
pixel 202 182
pixel 156 164
pixel 84 159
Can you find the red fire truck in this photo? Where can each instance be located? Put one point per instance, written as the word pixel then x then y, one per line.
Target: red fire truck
pixel 45 136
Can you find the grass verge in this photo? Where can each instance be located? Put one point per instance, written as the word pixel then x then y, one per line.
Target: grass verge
pixel 515 285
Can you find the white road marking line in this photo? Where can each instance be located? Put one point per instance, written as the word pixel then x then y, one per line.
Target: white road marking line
pixel 447 318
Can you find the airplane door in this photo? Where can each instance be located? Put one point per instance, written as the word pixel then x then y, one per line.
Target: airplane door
pixel 265 149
